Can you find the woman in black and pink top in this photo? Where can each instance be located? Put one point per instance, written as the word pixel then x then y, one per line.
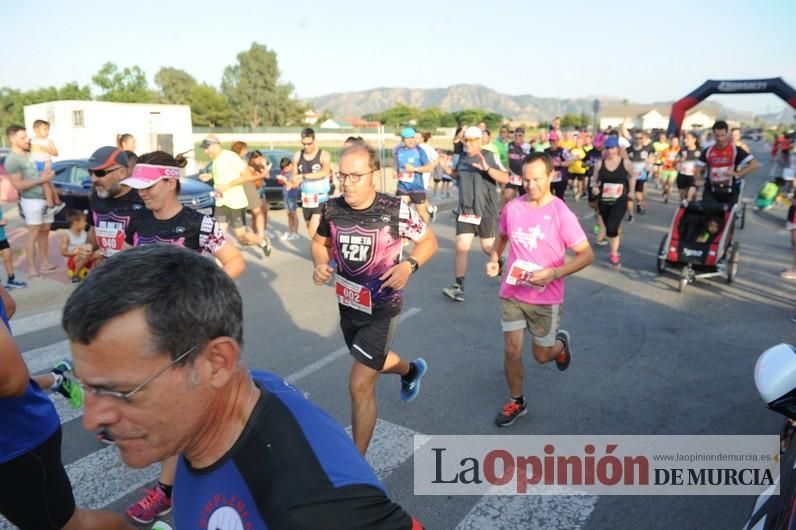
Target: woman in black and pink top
pixel 157 179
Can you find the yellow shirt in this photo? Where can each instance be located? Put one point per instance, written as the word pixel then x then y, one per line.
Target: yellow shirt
pixel 567 145
pixel 577 167
pixel 227 167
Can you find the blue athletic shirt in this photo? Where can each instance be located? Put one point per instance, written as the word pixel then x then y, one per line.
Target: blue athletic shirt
pixel 417 157
pixel 292 467
pixel 29 420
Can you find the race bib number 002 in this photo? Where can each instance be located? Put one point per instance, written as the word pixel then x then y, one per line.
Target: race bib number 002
pixel 353 295
pixel 311 200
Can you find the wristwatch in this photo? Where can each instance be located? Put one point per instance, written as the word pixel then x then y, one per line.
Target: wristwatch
pixel 414 264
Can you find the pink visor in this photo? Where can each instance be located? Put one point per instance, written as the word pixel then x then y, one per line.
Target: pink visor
pixel 147 175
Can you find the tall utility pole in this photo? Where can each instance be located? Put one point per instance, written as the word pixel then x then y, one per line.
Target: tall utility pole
pixel 595 107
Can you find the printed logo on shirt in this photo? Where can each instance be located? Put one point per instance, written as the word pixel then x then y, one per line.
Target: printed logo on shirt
pixel 355 246
pixel 139 241
pixel 227 518
pixel 530 238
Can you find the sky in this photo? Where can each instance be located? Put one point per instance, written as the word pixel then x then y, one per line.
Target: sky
pixel 642 51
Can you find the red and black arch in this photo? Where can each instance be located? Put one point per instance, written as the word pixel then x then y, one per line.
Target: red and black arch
pixel 742 86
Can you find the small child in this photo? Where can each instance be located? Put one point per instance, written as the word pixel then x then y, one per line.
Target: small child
pixel 713 227
pixel 42 149
pixel 8 257
pixel 290 193
pixel 75 246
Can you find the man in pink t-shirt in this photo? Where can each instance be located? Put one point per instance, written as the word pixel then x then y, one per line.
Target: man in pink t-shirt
pixel 538 228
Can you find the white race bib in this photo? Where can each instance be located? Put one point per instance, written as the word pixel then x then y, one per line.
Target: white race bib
pixel 687 167
pixel 515 179
pixel 406 176
pixel 638 168
pixel 520 274
pixel 110 240
pixel 310 200
pixel 720 174
pixel 612 190
pixel 470 218
pixel 353 295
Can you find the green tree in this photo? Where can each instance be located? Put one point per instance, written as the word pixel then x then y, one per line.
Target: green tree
pixel 12 101
pixel 209 107
pixel 399 115
pixel 175 85
pixel 127 86
pixel 430 118
pixel 253 89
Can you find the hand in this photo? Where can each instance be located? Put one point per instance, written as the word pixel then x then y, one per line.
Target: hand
pixel 46 176
pixel 492 268
pixel 397 276
pixel 595 190
pixel 322 273
pixel 410 168
pixel 219 193
pixel 481 165
pixel 542 277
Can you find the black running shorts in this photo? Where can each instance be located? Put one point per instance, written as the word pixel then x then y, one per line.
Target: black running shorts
pixel 415 197
pixel 685 181
pixel 487 229
pixel 309 212
pixel 368 339
pixel 612 214
pixel 35 492
pixel 640 184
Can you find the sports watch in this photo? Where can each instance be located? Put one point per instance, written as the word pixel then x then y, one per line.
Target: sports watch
pixel 413 262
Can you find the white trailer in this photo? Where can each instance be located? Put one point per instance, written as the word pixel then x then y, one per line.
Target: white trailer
pixel 79 127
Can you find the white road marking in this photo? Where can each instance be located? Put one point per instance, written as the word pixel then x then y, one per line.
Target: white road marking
pixel 33 323
pixel 44 358
pixel 391 446
pixel 537 512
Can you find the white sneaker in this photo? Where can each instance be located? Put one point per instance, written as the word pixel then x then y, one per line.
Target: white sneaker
pixel 294 236
pixel 285 236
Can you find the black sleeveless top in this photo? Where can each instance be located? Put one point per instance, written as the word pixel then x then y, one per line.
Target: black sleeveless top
pixel 613 184
pixel 310 166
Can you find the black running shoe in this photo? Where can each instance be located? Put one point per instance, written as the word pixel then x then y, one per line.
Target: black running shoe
pixel 510 412
pixel 565 357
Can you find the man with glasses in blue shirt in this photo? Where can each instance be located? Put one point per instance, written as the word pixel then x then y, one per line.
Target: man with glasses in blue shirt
pixel 156 340
pixel 360 237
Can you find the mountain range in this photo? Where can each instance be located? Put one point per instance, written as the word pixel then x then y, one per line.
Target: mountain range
pixel 523 108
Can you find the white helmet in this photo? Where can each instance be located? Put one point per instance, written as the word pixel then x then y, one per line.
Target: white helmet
pixel 775 378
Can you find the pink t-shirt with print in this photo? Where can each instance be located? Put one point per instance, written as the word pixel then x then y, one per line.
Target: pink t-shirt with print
pixel 538 239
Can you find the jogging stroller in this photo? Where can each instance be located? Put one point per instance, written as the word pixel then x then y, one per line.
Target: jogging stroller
pixel 700 242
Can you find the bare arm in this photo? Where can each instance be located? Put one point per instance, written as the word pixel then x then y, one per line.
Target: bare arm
pixel 753 165
pixel 21 184
pixel 320 248
pixel 51 148
pixel 65 247
pixel 9 303
pixel 14 375
pixel 398 275
pixel 231 259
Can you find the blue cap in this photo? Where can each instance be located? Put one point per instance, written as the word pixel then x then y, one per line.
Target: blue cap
pixel 611 141
pixel 408 133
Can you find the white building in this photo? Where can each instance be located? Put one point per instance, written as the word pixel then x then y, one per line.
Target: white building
pixel 79 127
pixel 650 117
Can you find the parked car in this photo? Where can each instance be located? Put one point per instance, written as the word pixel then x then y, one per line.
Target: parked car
pixel 73 183
pixel 272 189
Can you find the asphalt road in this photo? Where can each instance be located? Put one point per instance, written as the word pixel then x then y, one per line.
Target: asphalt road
pixel 648 360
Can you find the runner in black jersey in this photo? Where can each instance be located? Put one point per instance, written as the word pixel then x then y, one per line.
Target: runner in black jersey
pixel 641 157
pixel 518 149
pixel 312 170
pixel 614 179
pixel 688 168
pixel 360 236
pixel 112 205
pixel 167 221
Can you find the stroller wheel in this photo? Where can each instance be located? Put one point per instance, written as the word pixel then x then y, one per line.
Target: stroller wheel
pixel 732 262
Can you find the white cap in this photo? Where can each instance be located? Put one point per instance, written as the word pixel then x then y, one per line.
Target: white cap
pixel 775 372
pixel 473 132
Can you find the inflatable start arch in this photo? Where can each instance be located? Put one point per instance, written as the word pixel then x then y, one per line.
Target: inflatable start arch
pixel 746 86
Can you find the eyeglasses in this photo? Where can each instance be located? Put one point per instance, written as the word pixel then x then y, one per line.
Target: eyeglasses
pixel 126 396
pixel 102 172
pixel 353 178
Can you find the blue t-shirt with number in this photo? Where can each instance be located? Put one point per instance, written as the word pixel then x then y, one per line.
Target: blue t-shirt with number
pixel 410 182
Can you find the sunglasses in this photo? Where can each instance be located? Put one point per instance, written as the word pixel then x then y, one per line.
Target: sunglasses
pixel 102 172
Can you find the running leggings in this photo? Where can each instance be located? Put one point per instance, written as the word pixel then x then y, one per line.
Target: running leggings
pixel 612 214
